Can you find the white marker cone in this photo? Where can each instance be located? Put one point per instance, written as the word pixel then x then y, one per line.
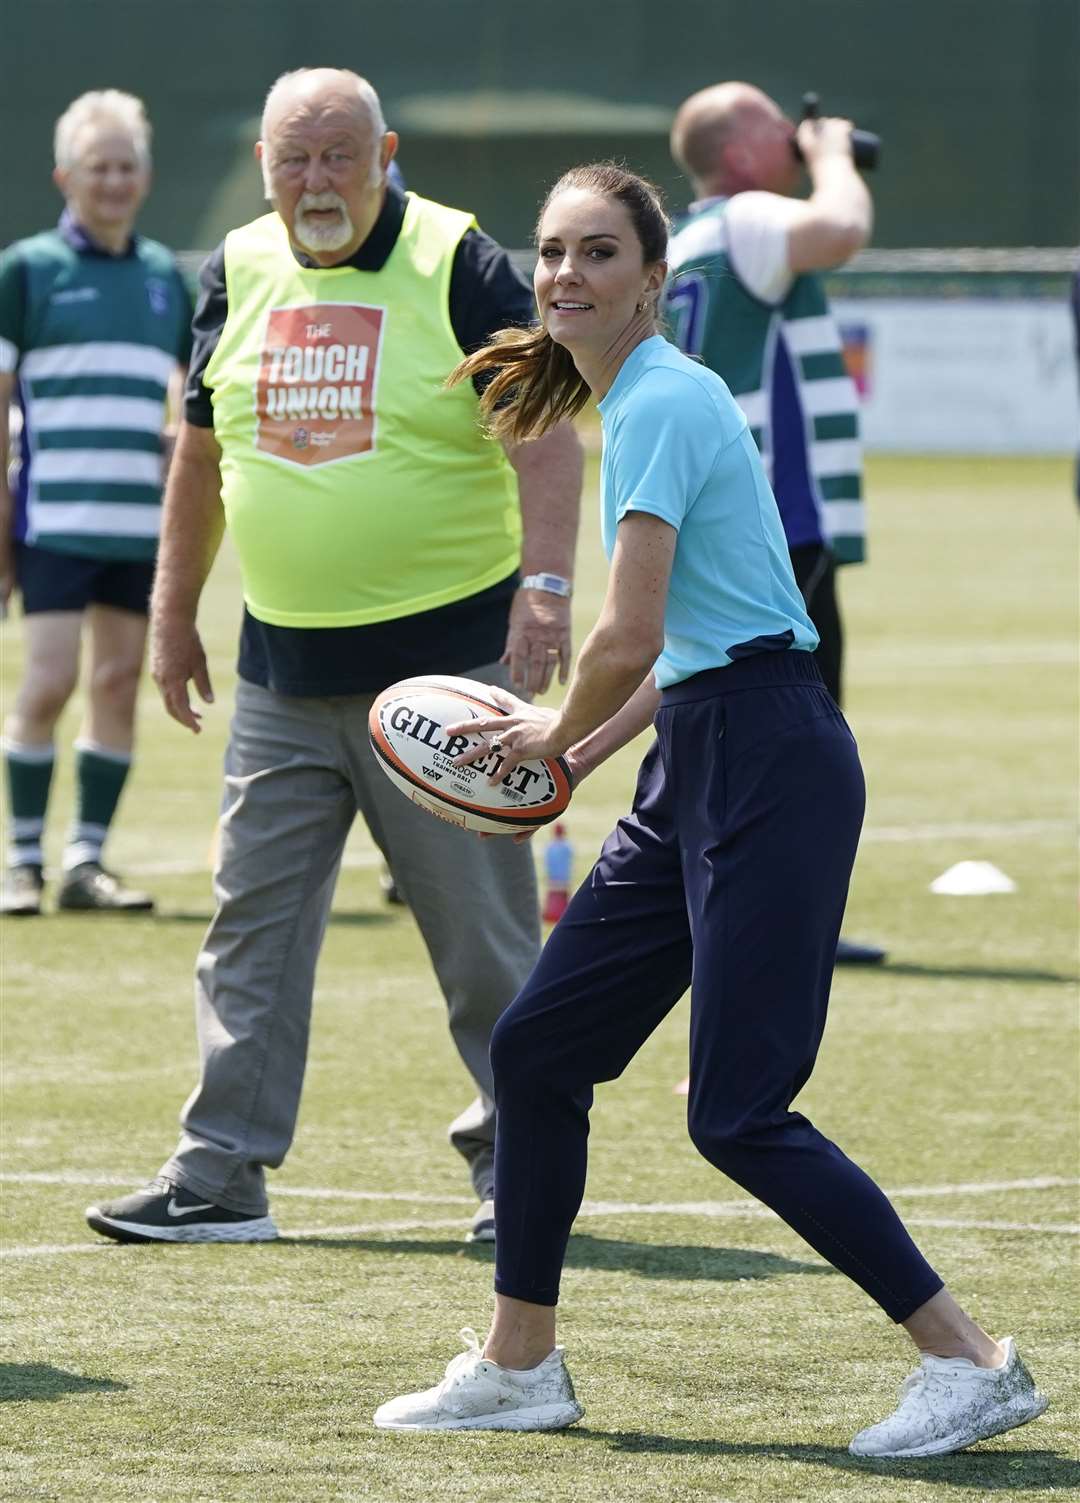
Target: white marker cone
pixel 972 879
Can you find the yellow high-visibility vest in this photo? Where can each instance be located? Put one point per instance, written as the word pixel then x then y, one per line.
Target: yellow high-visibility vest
pixel 356 487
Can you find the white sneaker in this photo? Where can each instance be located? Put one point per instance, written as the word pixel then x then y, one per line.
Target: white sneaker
pixel 477 1394
pixel 949 1403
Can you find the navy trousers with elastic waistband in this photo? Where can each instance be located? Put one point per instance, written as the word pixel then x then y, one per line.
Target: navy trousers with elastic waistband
pixel 729 876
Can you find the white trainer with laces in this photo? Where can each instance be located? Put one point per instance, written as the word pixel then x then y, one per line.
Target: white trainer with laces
pixel 949 1403
pixel 477 1394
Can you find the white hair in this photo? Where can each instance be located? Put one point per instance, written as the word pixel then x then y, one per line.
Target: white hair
pixel 108 108
pixel 364 91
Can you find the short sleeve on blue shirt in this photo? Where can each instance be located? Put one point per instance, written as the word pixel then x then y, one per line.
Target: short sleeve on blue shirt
pixel 664 450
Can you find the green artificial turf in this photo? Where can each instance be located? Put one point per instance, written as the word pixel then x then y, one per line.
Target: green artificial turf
pixel 717 1357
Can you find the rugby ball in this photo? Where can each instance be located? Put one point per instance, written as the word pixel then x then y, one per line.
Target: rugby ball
pixel 407 724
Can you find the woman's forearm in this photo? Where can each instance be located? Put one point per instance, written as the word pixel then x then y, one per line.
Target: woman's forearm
pixel 608 672
pixel 638 711
pixel 629 636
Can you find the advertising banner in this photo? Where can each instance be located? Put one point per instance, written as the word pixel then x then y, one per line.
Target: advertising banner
pixel 971 375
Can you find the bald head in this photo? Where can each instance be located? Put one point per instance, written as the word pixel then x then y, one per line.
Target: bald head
pixel 725 139
pixel 309 93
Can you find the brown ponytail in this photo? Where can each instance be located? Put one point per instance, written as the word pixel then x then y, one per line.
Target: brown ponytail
pixel 535 383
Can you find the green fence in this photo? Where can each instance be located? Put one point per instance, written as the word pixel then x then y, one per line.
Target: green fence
pixel 978 101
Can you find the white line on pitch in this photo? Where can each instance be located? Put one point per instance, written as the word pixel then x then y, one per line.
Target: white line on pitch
pixel 181 868
pixel 45 1250
pixel 733 1207
pixel 1005 829
pixel 376 1228
pixel 995 1226
pixel 735 1210
pixel 69 1177
pixel 989 1186
pixel 591 1207
pixel 1016 829
pixel 417 1198
pixel 78 1177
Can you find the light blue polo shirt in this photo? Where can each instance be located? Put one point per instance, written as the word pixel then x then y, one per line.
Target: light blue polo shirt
pixel 677 445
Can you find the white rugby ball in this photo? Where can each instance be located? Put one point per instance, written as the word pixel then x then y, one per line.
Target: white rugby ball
pixel 407 724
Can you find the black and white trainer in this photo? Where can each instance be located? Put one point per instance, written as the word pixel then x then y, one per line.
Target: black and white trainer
pixel 483 1223
pixel 89 888
pixel 165 1212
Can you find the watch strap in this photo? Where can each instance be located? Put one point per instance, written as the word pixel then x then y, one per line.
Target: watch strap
pixel 554 584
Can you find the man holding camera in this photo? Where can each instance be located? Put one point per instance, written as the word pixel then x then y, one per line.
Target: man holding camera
pixel 746 298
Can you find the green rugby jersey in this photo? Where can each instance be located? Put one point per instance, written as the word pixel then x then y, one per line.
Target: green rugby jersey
pixel 92 339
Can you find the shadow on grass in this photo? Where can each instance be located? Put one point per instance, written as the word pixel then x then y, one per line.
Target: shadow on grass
pixel 648 1260
pixel 990 1471
pixel 663 1261
pixel 969 973
pixel 358 918
pixel 39 1380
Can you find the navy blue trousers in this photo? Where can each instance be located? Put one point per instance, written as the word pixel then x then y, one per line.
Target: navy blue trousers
pixel 729 877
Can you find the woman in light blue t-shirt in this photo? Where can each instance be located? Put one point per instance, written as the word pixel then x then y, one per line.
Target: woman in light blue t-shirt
pixel 728 876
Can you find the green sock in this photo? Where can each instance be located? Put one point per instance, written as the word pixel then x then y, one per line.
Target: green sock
pixel 100 775
pixel 29 774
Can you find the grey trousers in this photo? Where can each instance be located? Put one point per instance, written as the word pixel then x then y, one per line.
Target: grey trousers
pixel 296 772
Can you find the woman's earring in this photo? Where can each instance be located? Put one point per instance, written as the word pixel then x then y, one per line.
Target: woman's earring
pixel 642 305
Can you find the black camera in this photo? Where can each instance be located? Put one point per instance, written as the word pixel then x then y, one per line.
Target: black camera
pixel 865 146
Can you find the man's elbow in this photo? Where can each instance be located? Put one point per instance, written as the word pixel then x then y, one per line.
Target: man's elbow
pixel 561 446
pixel 825 243
pixel 851 237
pixel 836 243
pixel 558 442
pixel 198 446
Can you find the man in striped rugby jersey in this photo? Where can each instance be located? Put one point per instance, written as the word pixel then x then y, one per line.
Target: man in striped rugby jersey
pixel 745 295
pixel 94 326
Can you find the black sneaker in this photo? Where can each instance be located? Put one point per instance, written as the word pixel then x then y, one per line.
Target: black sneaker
pixel 21 893
pixel 164 1212
pixel 89 888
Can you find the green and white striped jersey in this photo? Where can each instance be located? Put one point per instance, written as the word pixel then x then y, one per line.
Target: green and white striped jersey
pixel 92 339
pixel 784 365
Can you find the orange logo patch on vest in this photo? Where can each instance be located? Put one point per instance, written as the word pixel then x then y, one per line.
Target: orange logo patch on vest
pixel 315 397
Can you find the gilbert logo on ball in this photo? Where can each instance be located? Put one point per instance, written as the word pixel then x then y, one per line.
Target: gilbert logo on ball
pixel 407 725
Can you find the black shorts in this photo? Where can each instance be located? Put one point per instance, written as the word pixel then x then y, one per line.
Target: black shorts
pixel 67 582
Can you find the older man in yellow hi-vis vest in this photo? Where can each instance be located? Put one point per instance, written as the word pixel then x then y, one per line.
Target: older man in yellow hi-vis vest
pixel 380 535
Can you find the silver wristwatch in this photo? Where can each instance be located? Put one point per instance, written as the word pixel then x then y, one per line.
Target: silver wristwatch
pixel 554 584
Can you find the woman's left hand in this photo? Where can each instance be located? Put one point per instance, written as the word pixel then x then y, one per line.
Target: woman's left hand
pixel 524 732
